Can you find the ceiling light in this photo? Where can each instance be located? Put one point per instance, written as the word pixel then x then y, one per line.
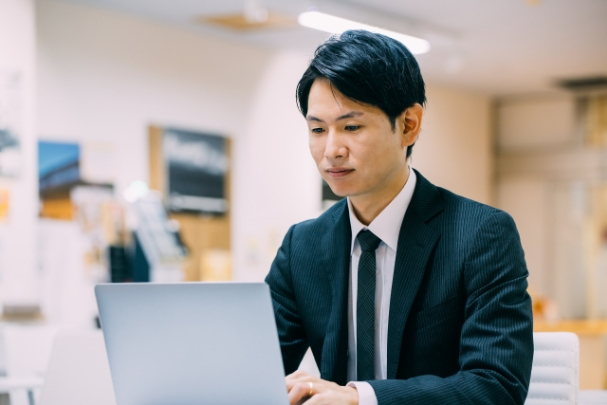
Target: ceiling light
pixel 335 25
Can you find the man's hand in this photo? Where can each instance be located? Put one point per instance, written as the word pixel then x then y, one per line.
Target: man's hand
pixel 303 387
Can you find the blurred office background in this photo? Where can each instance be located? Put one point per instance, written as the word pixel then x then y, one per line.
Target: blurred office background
pixel 160 140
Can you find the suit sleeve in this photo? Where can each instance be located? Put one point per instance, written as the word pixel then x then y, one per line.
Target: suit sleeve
pixel 496 344
pixel 291 333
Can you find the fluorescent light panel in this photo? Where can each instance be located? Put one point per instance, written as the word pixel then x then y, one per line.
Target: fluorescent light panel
pixel 336 25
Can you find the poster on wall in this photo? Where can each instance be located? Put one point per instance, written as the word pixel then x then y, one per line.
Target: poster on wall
pixel 10 123
pixel 58 173
pixel 58 167
pixel 196 166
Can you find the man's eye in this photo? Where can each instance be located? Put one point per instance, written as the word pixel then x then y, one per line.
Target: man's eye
pixel 317 130
pixel 352 127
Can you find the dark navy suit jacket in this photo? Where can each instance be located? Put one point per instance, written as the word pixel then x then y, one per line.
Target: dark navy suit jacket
pixel 460 322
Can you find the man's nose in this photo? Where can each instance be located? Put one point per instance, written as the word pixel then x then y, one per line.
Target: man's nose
pixel 335 148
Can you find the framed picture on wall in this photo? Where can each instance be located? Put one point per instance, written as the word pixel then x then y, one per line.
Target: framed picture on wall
pixel 196 166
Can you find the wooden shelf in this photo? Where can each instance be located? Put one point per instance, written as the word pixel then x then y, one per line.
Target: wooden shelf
pixel 579 327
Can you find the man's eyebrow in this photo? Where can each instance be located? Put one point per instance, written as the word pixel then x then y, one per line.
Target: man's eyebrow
pixel 313 118
pixel 351 114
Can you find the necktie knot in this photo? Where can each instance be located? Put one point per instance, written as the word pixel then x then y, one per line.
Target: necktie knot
pixel 368 241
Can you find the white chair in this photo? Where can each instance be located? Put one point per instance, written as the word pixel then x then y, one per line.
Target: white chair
pixel 79 372
pixel 9 385
pixel 27 352
pixel 555 371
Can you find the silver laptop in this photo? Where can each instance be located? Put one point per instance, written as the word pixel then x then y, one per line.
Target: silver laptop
pixel 192 343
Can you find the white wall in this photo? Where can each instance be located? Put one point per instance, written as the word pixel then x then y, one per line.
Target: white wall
pixel 276 181
pixel 103 84
pixel 533 122
pixel 455 148
pixel 17 233
pixel 537 151
pixel 526 199
pixel 107 77
pixel 98 84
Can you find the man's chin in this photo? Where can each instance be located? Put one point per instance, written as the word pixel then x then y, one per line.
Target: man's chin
pixel 342 191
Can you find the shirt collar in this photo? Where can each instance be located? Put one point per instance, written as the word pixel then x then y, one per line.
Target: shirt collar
pixel 386 225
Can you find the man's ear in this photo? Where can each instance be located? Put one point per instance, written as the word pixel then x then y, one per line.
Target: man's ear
pixel 410 124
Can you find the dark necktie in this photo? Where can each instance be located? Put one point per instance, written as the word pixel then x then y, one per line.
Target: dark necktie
pixel 365 307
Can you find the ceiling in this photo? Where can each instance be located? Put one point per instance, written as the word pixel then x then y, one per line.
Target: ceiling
pixel 497 47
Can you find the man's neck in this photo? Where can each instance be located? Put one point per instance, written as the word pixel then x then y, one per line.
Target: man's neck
pixel 368 206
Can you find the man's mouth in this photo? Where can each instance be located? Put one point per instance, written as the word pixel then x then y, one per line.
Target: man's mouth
pixel 337 172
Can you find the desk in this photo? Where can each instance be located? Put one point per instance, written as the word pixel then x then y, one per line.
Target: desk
pixel 8 384
pixel 593 357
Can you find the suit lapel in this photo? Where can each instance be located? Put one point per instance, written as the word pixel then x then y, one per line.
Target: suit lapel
pixel 416 242
pixel 334 366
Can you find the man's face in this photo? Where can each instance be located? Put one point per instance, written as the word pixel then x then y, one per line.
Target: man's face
pixel 354 146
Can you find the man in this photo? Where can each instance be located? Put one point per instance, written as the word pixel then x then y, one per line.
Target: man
pixel 405 292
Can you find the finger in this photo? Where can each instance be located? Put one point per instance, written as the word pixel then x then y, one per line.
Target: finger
pixel 298 392
pixel 321 399
pixel 334 396
pixel 297 374
pixel 293 382
pixel 302 377
pixel 296 377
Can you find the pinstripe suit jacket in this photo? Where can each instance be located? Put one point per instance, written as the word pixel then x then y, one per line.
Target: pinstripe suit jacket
pixel 460 322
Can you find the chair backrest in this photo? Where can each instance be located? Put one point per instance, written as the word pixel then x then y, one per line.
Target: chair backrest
pixel 79 372
pixel 27 349
pixel 555 372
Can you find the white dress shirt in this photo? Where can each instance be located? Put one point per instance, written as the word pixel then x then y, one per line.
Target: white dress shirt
pixel 385 226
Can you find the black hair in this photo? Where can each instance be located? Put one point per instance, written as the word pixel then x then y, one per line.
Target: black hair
pixel 369 68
